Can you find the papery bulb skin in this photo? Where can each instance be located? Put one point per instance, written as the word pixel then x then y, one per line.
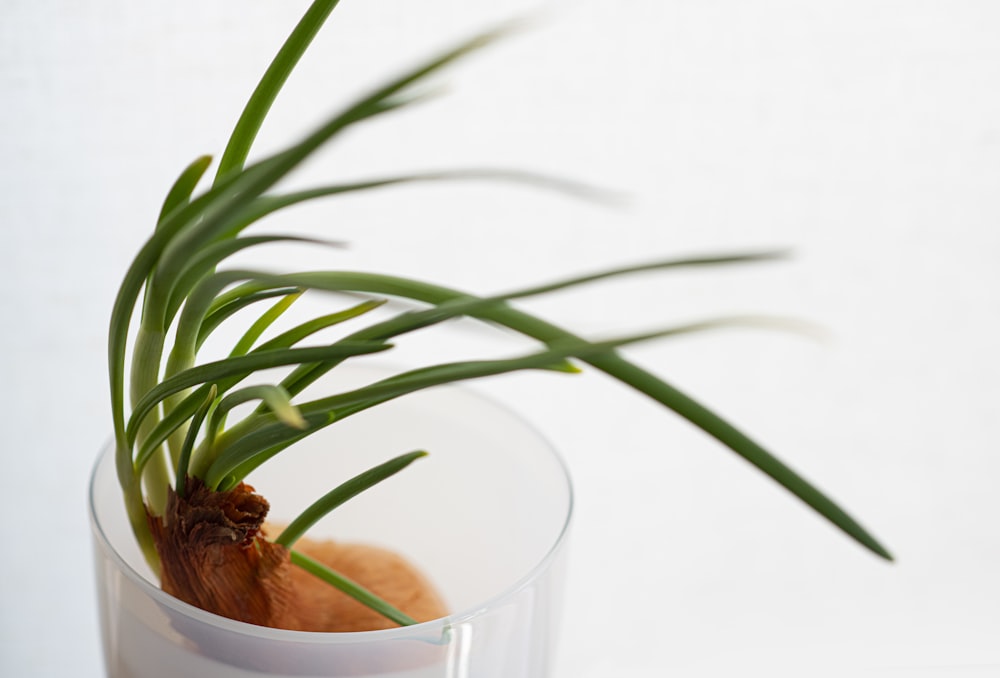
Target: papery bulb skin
pixel 215 555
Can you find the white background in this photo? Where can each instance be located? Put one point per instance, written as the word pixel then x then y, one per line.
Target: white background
pixel 862 135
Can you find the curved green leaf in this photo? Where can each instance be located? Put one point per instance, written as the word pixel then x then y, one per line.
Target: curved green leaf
pixel 644 382
pixel 270 84
pixel 204 262
pixel 269 204
pixel 188 445
pixel 180 193
pixel 310 327
pixel 351 588
pixel 172 421
pixel 244 365
pixel 342 493
pixel 259 439
pixel 274 398
pixel 260 325
pixel 219 313
pixel 219 218
pixel 239 452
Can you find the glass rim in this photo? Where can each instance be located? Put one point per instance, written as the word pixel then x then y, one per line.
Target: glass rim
pixel 431 631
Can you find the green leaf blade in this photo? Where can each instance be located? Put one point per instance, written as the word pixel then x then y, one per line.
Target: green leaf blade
pixel 243 366
pixel 351 588
pixel 639 379
pixel 180 193
pixel 259 326
pixel 342 493
pixel 274 78
pixel 189 440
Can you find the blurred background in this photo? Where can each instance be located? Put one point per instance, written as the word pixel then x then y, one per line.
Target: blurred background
pixel 862 136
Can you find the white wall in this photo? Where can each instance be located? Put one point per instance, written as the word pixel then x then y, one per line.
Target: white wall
pixel 864 136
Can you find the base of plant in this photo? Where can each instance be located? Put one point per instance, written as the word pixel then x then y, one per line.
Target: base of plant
pixel 215 555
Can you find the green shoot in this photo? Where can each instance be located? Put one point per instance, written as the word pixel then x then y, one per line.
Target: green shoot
pixel 174 424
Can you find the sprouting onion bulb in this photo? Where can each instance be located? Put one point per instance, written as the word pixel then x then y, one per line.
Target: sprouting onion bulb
pixel 179 422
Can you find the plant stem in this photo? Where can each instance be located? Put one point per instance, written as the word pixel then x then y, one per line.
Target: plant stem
pixel 136 509
pixel 146 358
pixel 179 359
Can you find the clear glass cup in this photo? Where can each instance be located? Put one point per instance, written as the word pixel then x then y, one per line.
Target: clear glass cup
pixel 485 517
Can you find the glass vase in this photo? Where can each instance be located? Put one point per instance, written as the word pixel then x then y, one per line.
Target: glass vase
pixel 484 517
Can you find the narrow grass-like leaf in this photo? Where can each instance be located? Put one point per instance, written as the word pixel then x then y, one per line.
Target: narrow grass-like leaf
pixel 270 84
pixel 261 437
pixel 274 398
pixel 196 307
pixel 310 327
pixel 269 204
pixel 190 216
pixel 469 304
pixel 300 373
pixel 205 261
pixel 564 366
pixel 180 193
pixel 189 439
pixel 557 350
pixel 305 375
pixel 244 365
pixel 260 325
pixel 458 305
pixel 219 313
pixel 213 211
pixel 185 348
pixel 238 293
pixel 172 421
pixel 351 588
pixel 135 278
pixel 250 183
pixel 244 452
pixel 146 358
pixel 389 285
pixel 641 380
pixel 452 307
pixel 342 493
pixel 204 297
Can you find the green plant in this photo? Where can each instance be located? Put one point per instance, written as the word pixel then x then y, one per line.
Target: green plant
pixel 176 442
